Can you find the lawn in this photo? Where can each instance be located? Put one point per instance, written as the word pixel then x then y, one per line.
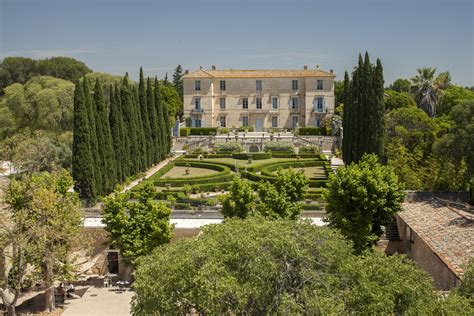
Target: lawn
pixel 313 172
pixel 244 163
pixel 180 172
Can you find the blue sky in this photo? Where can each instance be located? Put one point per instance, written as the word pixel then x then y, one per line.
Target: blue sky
pixel 119 36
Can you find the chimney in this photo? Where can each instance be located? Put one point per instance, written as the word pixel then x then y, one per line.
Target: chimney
pixel 213 67
pixel 317 66
pixel 331 71
pixel 186 72
pixel 305 67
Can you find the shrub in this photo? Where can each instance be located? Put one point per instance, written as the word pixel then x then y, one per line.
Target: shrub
pixel 278 147
pixel 229 147
pixel 224 130
pixel 310 131
pixel 203 130
pixel 184 131
pixel 254 156
pixel 245 129
pixel 198 151
pixel 309 149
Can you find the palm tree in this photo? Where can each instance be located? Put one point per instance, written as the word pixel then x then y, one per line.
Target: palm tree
pixel 428 89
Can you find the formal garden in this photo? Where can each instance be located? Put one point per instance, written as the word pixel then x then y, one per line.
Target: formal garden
pixel 197 179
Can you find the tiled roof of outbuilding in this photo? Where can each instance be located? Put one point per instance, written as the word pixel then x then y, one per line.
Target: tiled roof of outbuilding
pixel 231 73
pixel 446 227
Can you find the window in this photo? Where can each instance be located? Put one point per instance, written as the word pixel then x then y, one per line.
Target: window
pixel 222 121
pixel 294 121
pixel 222 103
pixel 197 123
pixel 245 121
pixel 319 85
pixel 318 122
pixel 197 85
pixel 197 103
pixel 294 84
pixel 294 103
pixel 274 121
pixel 245 103
pixel 274 103
pixel 320 104
pixel 259 103
pixel 222 85
pixel 259 85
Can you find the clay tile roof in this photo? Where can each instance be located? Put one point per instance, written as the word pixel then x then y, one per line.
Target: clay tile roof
pixel 447 228
pixel 258 73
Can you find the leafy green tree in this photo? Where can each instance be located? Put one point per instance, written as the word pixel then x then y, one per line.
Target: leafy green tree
pixel 21 69
pixel 466 288
pixel 261 267
pixel 41 103
pixel 82 159
pixel 401 85
pixel 47 215
pixel 395 100
pixel 453 96
pixel 240 200
pixel 169 96
pixel 104 140
pixel 137 228
pixel 37 151
pixel 361 198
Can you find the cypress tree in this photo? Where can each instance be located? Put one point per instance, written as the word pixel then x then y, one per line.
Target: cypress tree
pixel 166 117
pixel 130 129
pixel 154 128
pixel 161 121
pixel 82 160
pixel 364 108
pixel 347 133
pixel 178 85
pixel 378 109
pixel 116 129
pixel 123 135
pixel 147 139
pixel 140 159
pixel 104 140
pixel 91 112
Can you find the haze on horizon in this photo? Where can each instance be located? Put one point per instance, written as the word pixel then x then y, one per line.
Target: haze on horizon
pixel 117 36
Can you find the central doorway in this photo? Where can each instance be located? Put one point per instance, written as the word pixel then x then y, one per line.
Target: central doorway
pixel 259 125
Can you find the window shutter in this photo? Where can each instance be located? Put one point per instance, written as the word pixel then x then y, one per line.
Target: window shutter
pixel 324 105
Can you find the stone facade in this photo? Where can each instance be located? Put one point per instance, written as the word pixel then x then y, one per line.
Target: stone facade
pixel 263 99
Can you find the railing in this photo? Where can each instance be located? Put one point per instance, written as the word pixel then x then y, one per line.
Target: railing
pixel 319 110
pixel 197 111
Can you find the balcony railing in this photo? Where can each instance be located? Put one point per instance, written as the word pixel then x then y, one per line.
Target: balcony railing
pixel 197 111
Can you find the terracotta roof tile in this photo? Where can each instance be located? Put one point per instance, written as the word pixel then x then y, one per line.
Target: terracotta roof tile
pixel 231 73
pixel 448 228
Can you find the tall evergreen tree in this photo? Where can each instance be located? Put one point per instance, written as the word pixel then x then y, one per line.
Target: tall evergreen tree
pixel 91 112
pixel 82 160
pixel 363 131
pixel 104 140
pixel 116 129
pixel 378 110
pixel 147 139
pixel 154 128
pixel 178 85
pixel 345 118
pixel 141 158
pixel 167 133
pixel 161 121
pixel 130 129
pixel 166 81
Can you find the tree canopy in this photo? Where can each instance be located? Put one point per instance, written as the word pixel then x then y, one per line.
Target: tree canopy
pixel 361 198
pixel 22 69
pixel 255 266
